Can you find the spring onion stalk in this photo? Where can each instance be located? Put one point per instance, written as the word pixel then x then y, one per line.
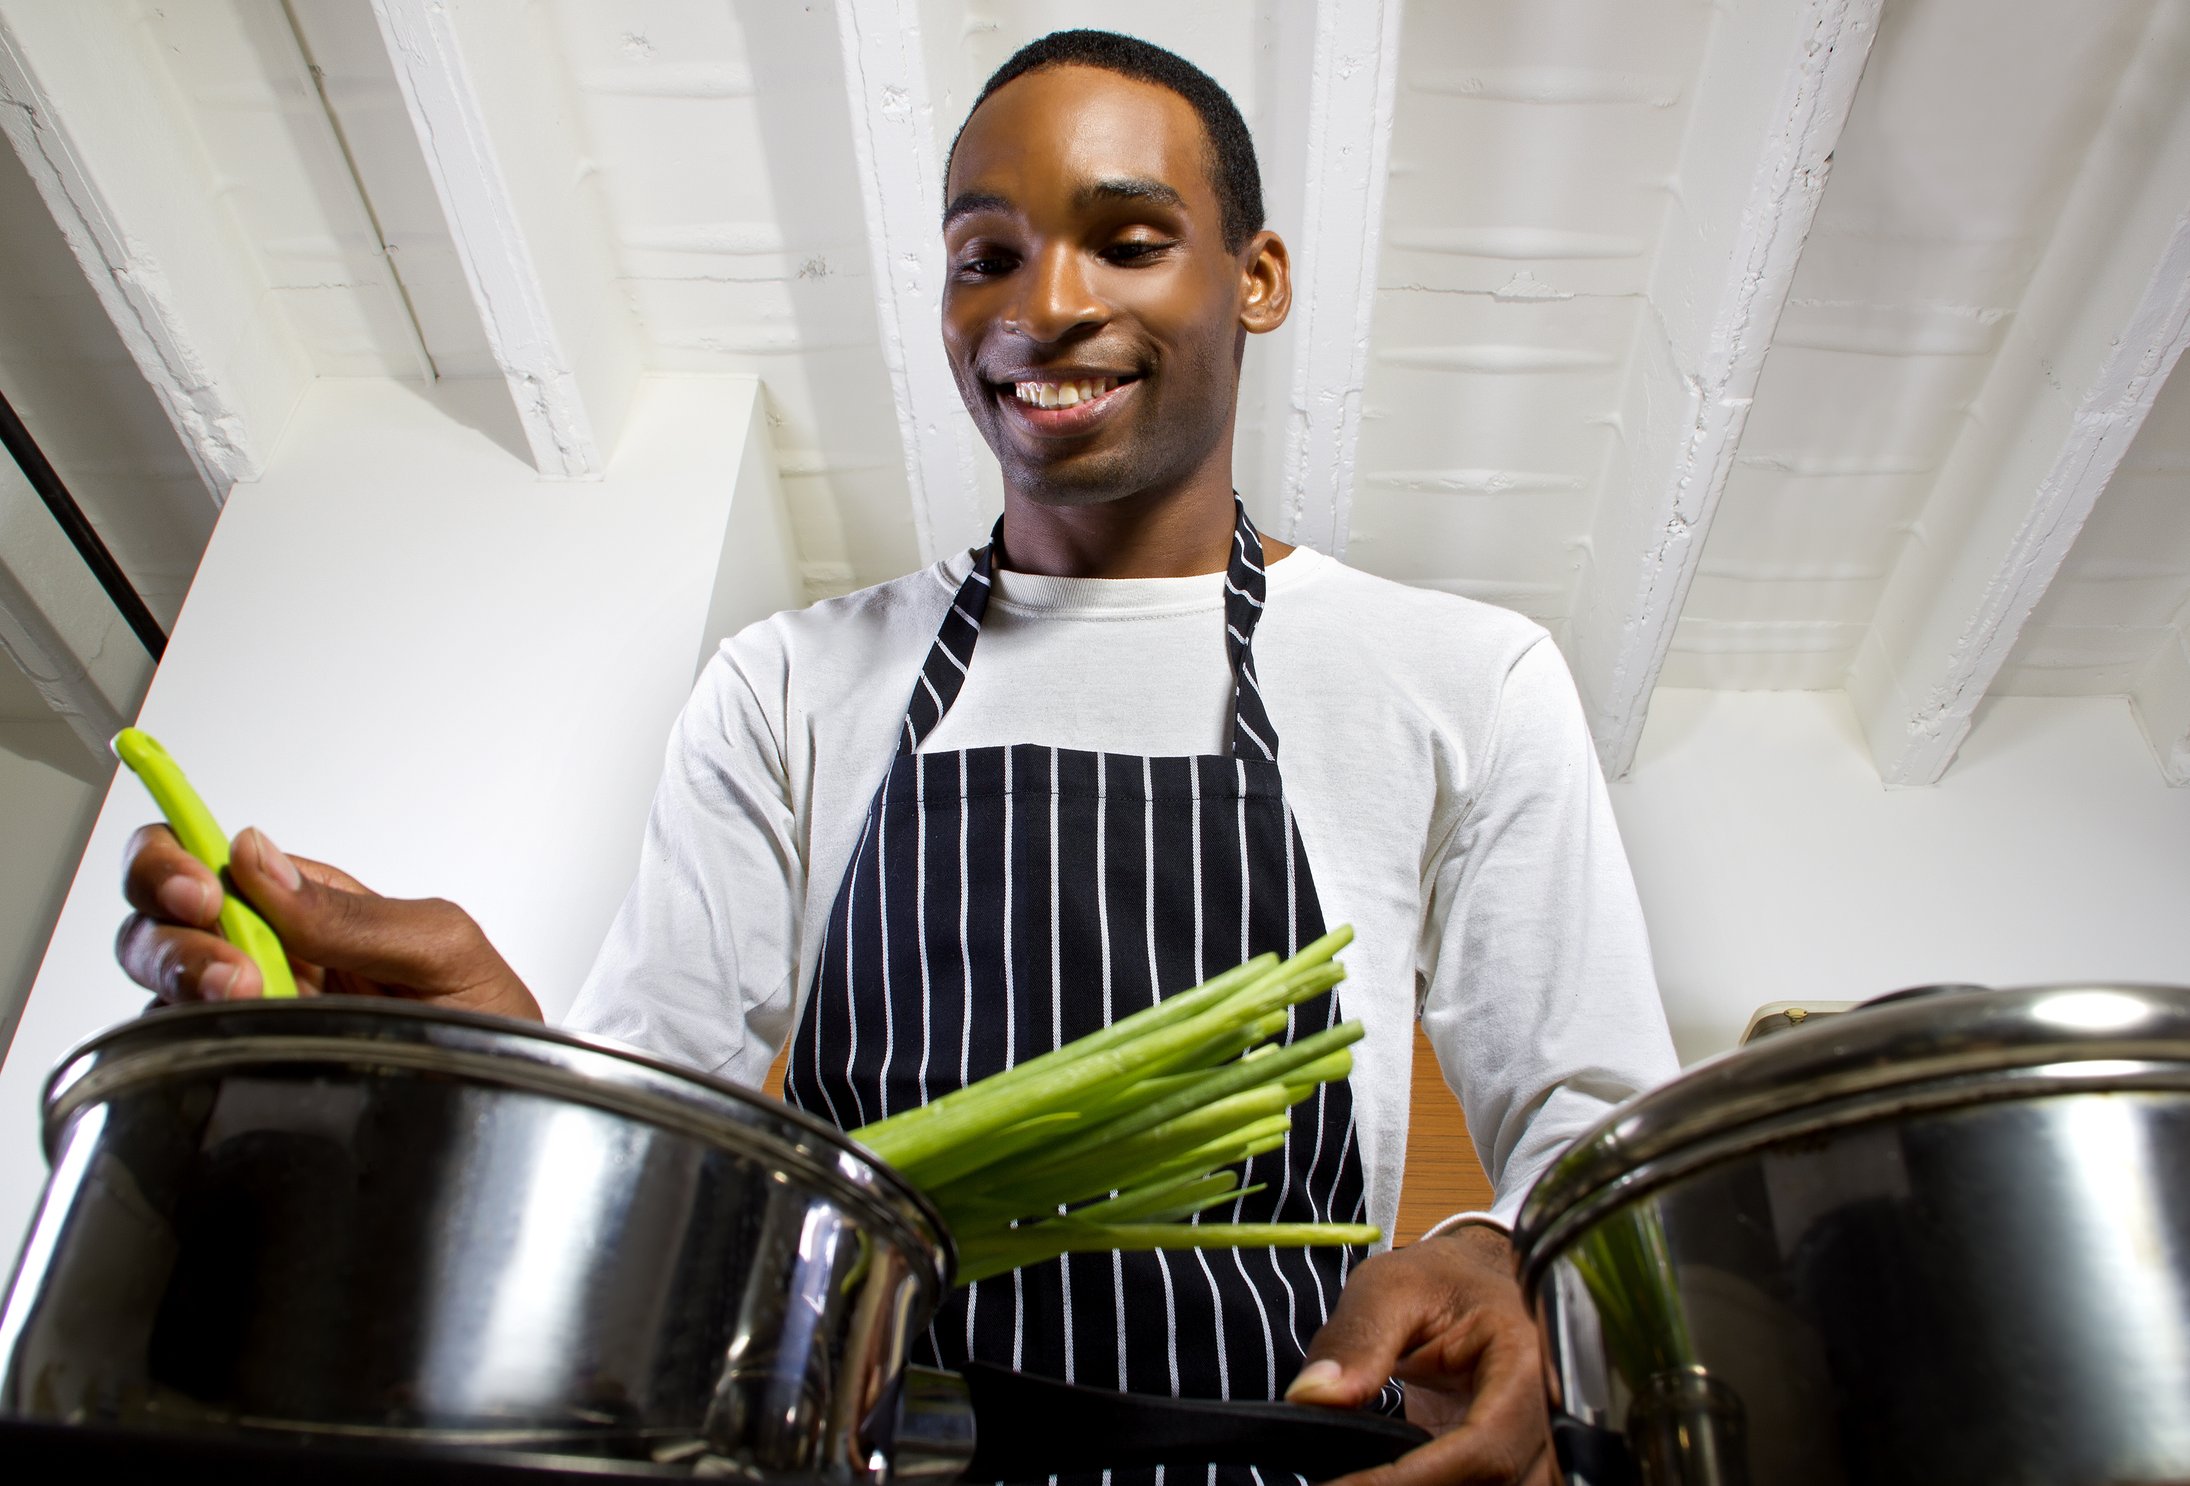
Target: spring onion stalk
pixel 953 1141
pixel 1222 1083
pixel 980 1261
pixel 896 1137
pixel 882 1135
pixel 1124 1138
pixel 1628 1268
pixel 1168 1201
pixel 1097 1173
pixel 962 1140
pixel 203 838
pixel 1239 1146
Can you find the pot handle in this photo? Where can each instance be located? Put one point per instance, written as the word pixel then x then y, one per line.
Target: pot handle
pixel 1590 1455
pixel 1028 1427
pixel 931 1436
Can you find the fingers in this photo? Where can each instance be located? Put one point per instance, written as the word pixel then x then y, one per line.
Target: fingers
pixel 1446 1316
pixel 424 947
pixel 1381 1316
pixel 1506 1439
pixel 321 919
pixel 183 964
pixel 168 945
pixel 339 934
pixel 1506 1421
pixel 163 881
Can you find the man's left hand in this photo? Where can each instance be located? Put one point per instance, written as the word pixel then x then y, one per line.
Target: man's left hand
pixel 1446 1317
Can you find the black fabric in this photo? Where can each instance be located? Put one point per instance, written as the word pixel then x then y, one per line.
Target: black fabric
pixel 1025 1427
pixel 36 1451
pixel 1004 900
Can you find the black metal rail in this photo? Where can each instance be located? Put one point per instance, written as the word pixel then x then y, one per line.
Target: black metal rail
pixel 44 479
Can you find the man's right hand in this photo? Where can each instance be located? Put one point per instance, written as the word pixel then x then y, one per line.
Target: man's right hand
pixel 342 937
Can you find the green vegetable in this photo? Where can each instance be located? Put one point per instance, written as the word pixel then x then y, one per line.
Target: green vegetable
pixel 1118 1140
pixel 203 838
pixel 982 1259
pixel 1627 1266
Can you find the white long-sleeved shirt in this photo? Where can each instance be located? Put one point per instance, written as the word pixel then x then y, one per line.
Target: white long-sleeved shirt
pixel 1433 752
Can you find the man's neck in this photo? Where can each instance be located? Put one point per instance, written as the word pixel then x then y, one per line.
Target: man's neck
pixel 1153 534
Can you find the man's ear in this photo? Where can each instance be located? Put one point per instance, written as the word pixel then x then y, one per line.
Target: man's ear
pixel 1266 282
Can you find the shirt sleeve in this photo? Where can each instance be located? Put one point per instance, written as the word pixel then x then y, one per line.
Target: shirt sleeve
pixel 1539 996
pixel 698 967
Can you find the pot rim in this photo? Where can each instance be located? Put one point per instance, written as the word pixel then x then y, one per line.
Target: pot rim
pixel 1900 1054
pixel 362 1032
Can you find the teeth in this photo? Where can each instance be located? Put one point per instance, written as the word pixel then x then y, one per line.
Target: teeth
pixel 1063 394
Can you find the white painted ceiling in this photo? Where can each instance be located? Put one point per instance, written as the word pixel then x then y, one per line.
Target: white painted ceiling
pixel 1542 156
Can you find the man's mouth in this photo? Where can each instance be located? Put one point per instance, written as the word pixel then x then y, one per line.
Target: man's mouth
pixel 1064 405
pixel 1064 394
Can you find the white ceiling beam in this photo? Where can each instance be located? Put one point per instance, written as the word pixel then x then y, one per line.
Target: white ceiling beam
pixel 2106 317
pixel 96 122
pixel 889 93
pixel 483 86
pixel 1328 204
pixel 1776 89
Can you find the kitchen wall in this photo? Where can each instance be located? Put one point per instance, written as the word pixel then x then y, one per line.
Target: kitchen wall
pixel 407 653
pixel 1774 867
pixel 45 812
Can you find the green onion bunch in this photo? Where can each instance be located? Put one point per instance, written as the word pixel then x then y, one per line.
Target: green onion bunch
pixel 1119 1139
pixel 1627 1266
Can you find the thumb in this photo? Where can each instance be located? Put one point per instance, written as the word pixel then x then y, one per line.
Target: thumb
pixel 329 919
pixel 1374 1324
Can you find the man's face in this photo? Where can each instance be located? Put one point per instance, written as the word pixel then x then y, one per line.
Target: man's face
pixel 1092 314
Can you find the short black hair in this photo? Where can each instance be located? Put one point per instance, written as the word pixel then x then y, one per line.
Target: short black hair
pixel 1232 167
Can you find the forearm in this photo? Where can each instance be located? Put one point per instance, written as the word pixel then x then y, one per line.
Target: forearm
pixel 698 966
pixel 1540 999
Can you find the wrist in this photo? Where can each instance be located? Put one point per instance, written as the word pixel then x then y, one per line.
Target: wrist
pixel 1481 1244
pixel 1476 1224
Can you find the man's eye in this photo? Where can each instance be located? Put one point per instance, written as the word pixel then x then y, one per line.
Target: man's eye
pixel 985 265
pixel 1133 251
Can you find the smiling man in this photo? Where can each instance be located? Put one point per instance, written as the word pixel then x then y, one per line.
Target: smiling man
pixel 1143 742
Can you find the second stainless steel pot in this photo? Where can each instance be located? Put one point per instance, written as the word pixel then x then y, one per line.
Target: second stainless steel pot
pixel 389 1225
pixel 1944 1239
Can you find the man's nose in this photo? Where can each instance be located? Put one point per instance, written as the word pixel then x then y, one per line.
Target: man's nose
pixel 1058 296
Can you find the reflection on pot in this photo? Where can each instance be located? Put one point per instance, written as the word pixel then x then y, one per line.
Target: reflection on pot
pixel 1629 1271
pixel 1683 1426
pixel 1688 1429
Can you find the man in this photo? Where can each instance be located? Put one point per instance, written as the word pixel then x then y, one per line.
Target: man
pixel 1143 742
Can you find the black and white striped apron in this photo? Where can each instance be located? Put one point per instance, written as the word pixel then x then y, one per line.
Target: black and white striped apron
pixel 1002 901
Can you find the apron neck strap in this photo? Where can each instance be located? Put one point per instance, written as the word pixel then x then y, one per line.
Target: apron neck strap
pixel 944 671
pixel 1246 589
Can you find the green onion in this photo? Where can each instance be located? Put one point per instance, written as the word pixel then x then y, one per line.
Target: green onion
pixel 203 838
pixel 1023 1246
pixel 1627 1266
pixel 1121 1139
pixel 1096 1172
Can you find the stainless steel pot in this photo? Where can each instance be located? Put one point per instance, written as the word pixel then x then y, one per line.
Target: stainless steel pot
pixel 386 1225
pixel 1941 1239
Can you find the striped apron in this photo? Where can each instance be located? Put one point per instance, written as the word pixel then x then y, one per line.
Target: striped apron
pixel 1002 901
